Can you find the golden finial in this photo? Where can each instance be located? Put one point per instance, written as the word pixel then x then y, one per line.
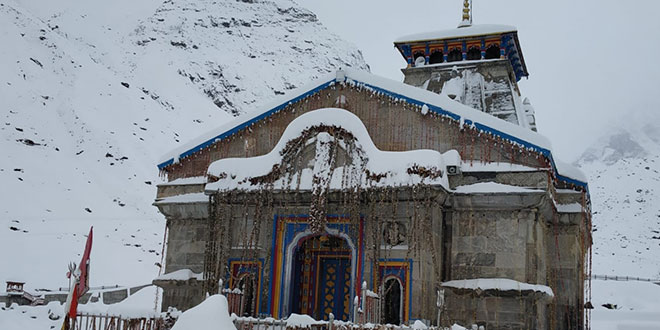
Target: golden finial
pixel 467 17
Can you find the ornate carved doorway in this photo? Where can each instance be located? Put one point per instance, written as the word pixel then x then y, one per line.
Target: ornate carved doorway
pixel 322 278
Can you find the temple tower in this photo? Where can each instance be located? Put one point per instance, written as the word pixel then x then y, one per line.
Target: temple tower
pixel 477 65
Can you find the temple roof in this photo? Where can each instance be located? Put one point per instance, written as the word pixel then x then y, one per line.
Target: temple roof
pixel 429 101
pixel 462 32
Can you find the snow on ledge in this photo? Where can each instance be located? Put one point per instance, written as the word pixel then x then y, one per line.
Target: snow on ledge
pixel 493 188
pixel 499 284
pixel 184 199
pixel 569 208
pixel 235 173
pixel 179 275
pixel 479 166
pixel 185 181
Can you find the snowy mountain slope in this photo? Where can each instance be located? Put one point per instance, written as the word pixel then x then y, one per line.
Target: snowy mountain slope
pixel 87 110
pixel 624 178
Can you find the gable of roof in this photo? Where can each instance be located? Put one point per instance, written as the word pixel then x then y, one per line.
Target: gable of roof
pixel 436 103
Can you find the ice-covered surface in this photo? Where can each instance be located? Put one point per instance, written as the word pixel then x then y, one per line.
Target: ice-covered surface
pixel 468 31
pixel 499 284
pixel 179 275
pixel 494 188
pixel 211 314
pixel 185 198
pixel 94 92
pixel 235 173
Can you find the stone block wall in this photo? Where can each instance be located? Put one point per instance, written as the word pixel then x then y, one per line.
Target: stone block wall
pixel 497 310
pixel 492 244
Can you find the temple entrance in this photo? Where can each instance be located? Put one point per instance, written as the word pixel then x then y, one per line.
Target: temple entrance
pixel 392 304
pixel 322 278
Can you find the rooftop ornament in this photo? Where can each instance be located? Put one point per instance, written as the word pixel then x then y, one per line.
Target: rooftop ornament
pixel 467 14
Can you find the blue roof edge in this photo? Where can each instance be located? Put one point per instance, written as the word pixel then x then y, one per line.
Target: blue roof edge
pixel 434 108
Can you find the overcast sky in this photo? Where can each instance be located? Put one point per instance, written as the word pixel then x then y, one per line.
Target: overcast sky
pixel 590 62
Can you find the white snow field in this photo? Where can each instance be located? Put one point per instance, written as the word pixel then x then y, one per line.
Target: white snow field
pixel 93 93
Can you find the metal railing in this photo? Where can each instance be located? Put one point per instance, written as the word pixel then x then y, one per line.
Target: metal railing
pixel 84 321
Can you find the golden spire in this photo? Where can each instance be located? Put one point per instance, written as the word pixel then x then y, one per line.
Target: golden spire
pixel 467 17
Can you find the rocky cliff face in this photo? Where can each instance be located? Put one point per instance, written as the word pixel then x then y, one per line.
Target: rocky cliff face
pixel 94 92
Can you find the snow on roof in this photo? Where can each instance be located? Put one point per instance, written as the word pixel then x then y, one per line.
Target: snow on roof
pixel 499 284
pixel 245 120
pixel 462 32
pixel 179 275
pixel 234 173
pixel 436 103
pixel 184 199
pixel 493 188
pixel 570 171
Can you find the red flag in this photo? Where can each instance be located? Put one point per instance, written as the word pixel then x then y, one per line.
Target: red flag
pixel 83 285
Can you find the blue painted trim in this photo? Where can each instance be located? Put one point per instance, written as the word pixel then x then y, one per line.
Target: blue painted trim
pixel 262 265
pixel 433 108
pixel 410 274
pixel 247 123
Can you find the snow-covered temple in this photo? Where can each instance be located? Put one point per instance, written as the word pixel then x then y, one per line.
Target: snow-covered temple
pixel 433 192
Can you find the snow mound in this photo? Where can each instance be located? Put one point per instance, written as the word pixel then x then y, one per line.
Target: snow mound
pixel 179 275
pixel 211 314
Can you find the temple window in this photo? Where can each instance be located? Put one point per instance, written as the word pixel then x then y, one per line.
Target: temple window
pixel 474 53
pixel 493 52
pixel 455 55
pixel 392 307
pixel 419 58
pixel 436 57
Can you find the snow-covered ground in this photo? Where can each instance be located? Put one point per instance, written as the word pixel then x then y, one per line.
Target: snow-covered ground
pixel 624 180
pixel 94 92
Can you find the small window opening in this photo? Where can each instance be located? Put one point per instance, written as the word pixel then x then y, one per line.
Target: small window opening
pixel 474 53
pixel 455 55
pixel 436 57
pixel 493 52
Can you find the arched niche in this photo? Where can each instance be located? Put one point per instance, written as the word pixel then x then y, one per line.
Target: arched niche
pixel 493 52
pixel 455 55
pixel 474 53
pixel 436 57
